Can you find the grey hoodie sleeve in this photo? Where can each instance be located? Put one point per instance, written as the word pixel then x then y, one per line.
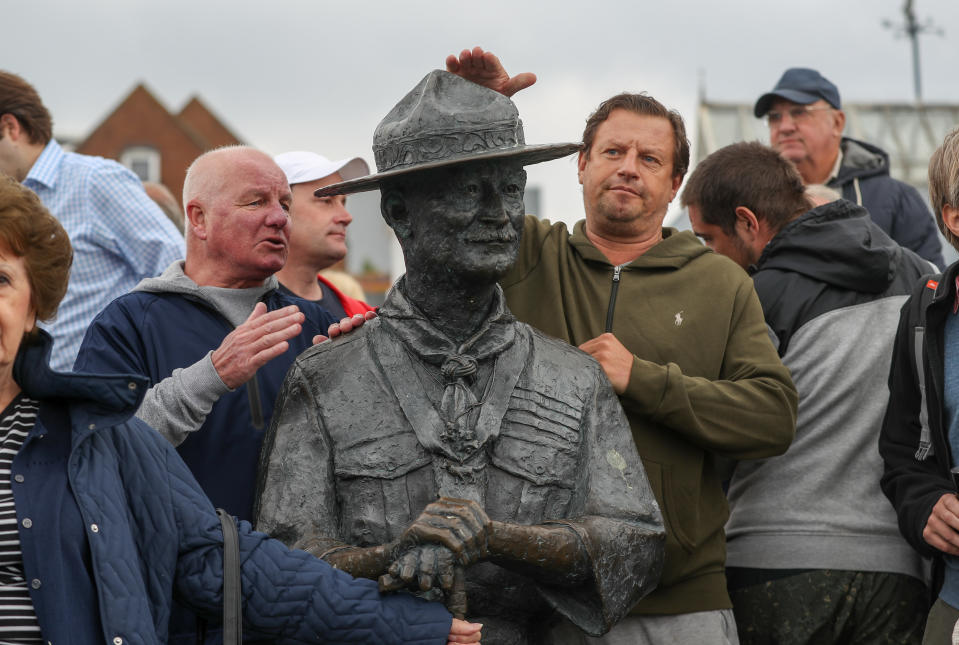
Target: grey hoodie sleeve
pixel 179 404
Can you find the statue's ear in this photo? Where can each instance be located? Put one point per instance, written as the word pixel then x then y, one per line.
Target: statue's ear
pixel 395 212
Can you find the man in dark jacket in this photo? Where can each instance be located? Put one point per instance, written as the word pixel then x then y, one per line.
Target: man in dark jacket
pixel 814 555
pixel 212 334
pixel 920 433
pixel 805 126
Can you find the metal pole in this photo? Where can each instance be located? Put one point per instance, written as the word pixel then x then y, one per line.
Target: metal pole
pixel 912 28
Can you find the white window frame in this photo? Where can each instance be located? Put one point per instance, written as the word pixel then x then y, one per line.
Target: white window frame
pixel 142 154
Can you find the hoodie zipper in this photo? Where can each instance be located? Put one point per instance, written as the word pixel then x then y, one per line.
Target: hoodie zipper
pixel 256 407
pixel 612 297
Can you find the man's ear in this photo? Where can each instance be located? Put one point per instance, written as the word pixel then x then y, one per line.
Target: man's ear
pixel 10 127
pixel 395 212
pixel 950 218
pixel 677 182
pixel 840 122
pixel 196 219
pixel 581 164
pixel 746 221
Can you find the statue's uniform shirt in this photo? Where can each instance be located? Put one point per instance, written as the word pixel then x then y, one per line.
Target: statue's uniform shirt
pixel 374 426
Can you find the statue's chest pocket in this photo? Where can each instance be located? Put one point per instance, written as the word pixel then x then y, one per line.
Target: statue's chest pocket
pixel 385 457
pixel 540 457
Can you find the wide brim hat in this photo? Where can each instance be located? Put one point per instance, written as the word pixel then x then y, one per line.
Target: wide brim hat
pixel 446 120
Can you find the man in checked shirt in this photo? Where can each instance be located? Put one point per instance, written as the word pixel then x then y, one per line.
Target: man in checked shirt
pixel 119 235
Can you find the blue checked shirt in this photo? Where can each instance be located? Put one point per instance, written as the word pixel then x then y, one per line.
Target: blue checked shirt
pixel 119 237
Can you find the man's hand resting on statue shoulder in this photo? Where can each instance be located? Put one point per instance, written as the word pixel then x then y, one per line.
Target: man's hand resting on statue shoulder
pixel 345 326
pixel 615 359
pixel 484 68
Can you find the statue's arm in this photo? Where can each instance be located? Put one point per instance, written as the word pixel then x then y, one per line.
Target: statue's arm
pixel 296 490
pixel 359 562
pixel 552 553
pixel 296 500
pixel 617 518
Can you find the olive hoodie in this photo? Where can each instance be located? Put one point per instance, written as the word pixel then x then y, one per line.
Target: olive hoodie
pixel 706 381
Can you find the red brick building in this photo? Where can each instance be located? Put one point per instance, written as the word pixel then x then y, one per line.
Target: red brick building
pixel 156 144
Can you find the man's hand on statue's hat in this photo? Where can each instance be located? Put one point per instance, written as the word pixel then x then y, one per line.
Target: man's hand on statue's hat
pixel 483 68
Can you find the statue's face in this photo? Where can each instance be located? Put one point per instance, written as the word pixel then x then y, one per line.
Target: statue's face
pixel 467 219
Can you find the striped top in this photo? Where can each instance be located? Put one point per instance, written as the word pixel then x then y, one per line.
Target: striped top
pixel 18 620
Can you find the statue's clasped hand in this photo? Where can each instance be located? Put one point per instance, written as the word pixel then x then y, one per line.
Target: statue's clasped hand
pixel 425 567
pixel 448 536
pixel 460 525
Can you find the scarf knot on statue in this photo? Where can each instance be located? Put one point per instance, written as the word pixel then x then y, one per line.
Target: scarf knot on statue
pixel 459 408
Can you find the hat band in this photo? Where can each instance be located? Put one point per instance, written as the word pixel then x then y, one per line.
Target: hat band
pixel 446 146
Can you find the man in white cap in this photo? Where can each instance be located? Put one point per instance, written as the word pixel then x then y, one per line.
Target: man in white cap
pixel 318 232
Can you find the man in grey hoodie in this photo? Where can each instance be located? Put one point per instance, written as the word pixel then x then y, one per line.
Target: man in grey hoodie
pixel 814 553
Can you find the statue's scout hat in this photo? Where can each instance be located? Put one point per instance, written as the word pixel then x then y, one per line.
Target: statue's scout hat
pixel 447 120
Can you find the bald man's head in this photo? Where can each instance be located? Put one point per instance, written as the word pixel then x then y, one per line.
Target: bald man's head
pixel 236 202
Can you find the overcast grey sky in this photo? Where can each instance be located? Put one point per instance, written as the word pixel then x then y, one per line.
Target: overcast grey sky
pixel 318 75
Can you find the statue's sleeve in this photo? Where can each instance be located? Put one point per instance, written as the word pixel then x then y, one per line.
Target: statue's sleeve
pixel 617 518
pixel 296 495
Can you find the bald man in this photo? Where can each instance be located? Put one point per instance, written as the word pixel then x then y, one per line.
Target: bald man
pixel 213 334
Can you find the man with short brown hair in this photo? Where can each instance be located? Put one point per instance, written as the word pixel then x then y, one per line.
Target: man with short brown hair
pixel 796 568
pixel 806 122
pixel 678 331
pixel 119 235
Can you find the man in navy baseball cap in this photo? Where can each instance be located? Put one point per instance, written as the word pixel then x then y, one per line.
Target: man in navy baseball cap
pixel 806 123
pixel 802 86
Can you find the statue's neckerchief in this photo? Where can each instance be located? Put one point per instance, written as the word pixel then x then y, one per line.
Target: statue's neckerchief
pixel 460 424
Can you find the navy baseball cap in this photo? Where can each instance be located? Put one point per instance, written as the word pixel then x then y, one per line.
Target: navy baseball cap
pixel 799 85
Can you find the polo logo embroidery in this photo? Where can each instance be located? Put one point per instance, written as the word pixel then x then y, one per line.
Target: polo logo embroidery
pixel 678 320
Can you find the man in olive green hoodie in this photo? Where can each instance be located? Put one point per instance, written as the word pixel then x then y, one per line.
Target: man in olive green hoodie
pixel 679 332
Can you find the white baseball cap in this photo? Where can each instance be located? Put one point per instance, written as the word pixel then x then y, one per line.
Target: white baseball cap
pixel 301 167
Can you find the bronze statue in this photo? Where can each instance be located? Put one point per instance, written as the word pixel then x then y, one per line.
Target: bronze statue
pixel 444 441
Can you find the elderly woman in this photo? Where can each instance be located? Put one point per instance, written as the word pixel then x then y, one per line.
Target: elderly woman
pixel 102 523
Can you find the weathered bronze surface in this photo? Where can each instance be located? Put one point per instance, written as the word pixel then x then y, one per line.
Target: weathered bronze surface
pixel 444 447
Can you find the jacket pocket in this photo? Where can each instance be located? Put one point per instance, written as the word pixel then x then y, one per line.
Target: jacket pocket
pixel 381 484
pixel 384 457
pixel 675 505
pixel 533 476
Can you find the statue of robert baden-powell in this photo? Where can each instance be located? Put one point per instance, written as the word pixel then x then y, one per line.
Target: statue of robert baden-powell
pixel 543 500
